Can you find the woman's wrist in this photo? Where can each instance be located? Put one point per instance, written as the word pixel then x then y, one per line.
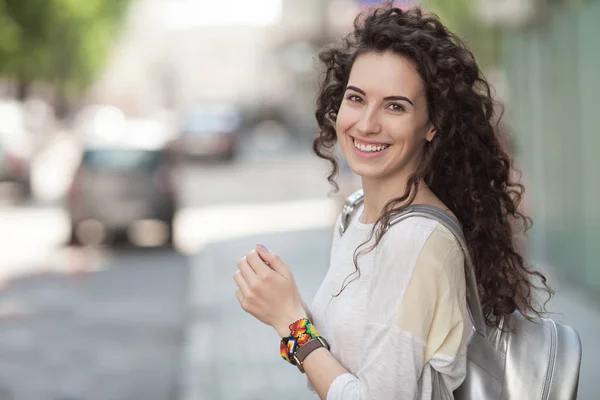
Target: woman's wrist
pixel 306 310
pixel 302 341
pixel 283 326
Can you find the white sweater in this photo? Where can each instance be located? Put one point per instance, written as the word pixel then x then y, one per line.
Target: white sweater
pixel 404 316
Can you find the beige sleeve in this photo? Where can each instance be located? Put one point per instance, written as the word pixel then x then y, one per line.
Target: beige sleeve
pixel 434 306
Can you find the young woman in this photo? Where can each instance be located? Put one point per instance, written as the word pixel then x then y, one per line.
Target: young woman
pixel 406 102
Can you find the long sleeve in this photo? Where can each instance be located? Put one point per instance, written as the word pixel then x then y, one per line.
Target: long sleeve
pixel 414 321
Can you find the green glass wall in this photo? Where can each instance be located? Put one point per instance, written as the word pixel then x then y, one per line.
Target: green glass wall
pixel 553 70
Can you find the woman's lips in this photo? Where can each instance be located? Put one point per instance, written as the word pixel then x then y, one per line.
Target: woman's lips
pixel 368 154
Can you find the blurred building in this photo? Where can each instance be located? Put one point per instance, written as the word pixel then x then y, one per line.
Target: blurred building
pixel 175 54
pixel 551 57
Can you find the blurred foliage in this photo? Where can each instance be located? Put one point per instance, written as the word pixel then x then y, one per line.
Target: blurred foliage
pixel 458 15
pixel 61 42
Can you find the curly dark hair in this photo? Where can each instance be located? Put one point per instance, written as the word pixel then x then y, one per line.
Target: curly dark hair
pixel 465 164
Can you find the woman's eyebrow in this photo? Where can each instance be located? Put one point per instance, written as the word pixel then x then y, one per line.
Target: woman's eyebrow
pixel 400 98
pixel 350 87
pixel 387 98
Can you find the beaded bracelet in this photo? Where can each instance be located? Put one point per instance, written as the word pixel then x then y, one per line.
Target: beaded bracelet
pixel 301 332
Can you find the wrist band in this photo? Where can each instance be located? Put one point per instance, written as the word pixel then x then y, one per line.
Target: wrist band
pixel 301 333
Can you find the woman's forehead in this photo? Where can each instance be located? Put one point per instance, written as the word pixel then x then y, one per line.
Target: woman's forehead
pixel 386 74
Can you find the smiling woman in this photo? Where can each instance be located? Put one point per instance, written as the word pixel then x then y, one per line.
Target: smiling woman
pixel 406 102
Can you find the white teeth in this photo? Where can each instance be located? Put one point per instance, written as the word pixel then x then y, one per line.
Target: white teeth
pixel 370 147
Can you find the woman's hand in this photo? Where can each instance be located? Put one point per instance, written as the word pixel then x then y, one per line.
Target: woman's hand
pixel 268 292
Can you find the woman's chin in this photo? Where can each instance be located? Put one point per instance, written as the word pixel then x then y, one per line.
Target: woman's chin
pixel 366 171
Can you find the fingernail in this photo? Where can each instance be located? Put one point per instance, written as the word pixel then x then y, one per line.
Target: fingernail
pixel 263 248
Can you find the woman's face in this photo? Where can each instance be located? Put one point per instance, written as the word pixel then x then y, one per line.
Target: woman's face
pixel 383 123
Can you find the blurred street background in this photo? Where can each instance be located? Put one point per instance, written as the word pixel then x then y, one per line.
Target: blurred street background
pixel 146 145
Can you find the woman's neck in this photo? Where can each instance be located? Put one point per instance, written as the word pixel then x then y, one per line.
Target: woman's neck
pixel 378 194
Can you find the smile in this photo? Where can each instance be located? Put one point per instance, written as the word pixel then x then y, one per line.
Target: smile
pixel 369 148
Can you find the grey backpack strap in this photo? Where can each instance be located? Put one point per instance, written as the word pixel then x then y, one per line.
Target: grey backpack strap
pixel 431 212
pixel 473 301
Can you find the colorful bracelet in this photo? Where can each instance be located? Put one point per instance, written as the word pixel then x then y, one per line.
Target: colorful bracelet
pixel 301 332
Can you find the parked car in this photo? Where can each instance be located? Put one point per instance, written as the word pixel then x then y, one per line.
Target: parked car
pixel 123 192
pixel 210 132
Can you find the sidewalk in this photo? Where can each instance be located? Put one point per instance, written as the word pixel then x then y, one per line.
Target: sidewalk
pixel 231 356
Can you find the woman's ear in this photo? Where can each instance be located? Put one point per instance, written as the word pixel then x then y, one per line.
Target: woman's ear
pixel 430 133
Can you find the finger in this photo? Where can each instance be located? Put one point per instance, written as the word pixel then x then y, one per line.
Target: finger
pixel 247 271
pixel 257 263
pixel 273 259
pixel 241 283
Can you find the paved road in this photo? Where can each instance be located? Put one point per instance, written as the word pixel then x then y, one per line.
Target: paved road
pixel 113 335
pixel 80 324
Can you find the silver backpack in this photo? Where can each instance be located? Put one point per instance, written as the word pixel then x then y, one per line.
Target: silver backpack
pixel 533 360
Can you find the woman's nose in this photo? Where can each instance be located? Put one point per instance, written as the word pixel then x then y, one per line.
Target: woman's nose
pixel 368 122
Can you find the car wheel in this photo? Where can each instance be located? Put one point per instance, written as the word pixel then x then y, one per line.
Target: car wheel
pixel 170 236
pixel 73 241
pixel 118 239
pixel 26 189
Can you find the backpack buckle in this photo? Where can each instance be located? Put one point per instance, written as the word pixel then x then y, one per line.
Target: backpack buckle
pixel 350 205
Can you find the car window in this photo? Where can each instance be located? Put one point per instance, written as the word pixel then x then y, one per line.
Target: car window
pixel 127 160
pixel 211 122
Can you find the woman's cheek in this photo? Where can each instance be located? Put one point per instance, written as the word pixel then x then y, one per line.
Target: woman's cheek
pixel 340 125
pixel 344 120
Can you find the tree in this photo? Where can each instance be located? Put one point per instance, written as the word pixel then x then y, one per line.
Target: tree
pixel 458 16
pixel 61 42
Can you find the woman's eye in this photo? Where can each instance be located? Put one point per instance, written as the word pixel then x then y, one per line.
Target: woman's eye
pixel 396 107
pixel 354 98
